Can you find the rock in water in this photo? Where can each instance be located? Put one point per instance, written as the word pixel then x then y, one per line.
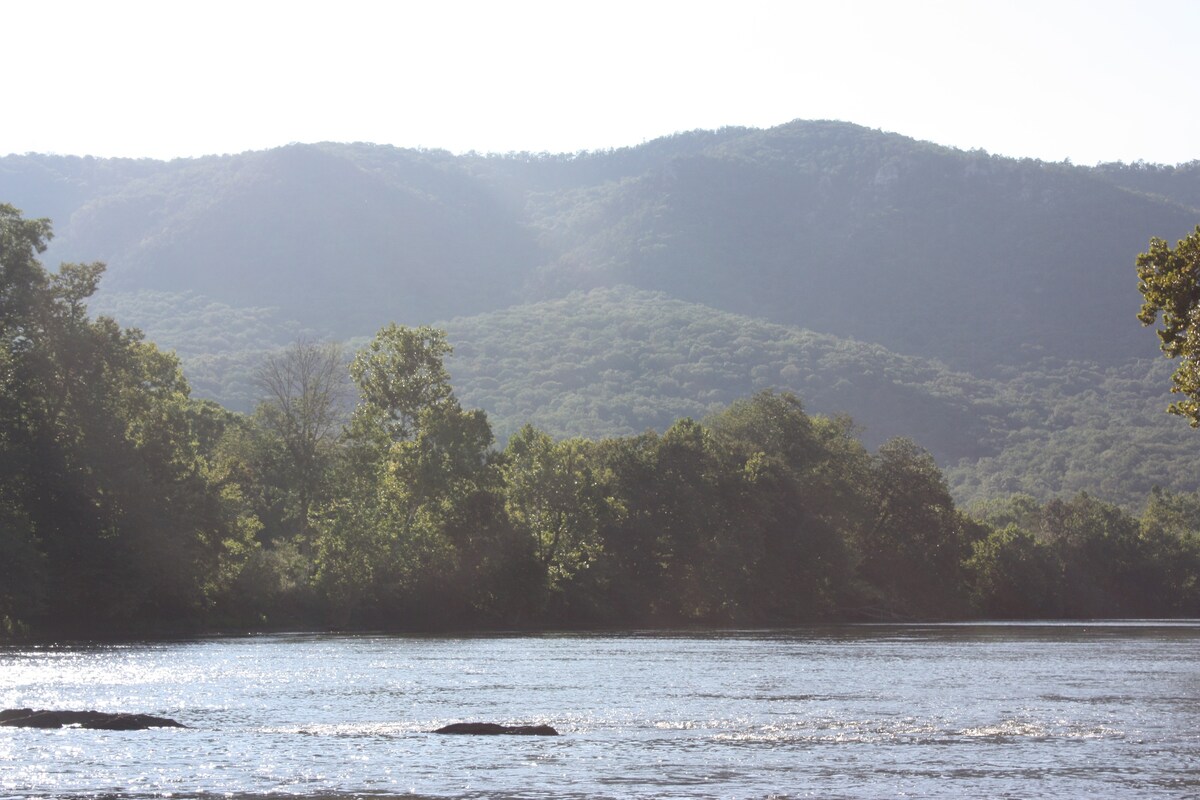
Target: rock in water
pixel 14 713
pixel 492 729
pixel 93 720
pixel 128 722
pixel 13 718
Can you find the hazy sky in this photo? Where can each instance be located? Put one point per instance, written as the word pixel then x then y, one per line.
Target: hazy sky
pixel 1092 81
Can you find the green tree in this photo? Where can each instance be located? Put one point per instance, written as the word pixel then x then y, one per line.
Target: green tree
pixel 1173 514
pixel 372 536
pixel 108 509
pixel 408 528
pixel 1107 566
pixel 792 521
pixel 627 580
pixel 400 374
pixel 704 568
pixel 305 390
pixel 1169 280
pixel 914 547
pixel 23 285
pixel 1170 530
pixel 552 495
pixel 250 470
pixel 1013 575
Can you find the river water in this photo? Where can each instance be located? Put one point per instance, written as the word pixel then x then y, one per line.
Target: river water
pixel 1031 710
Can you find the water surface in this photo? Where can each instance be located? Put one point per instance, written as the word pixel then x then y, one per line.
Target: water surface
pixel 1052 710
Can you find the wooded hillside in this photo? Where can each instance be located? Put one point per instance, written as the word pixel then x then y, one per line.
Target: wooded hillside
pixel 983 305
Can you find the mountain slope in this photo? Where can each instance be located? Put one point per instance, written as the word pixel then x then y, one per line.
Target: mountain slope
pixel 325 237
pixel 619 361
pixel 974 259
pixel 981 305
pixel 1179 184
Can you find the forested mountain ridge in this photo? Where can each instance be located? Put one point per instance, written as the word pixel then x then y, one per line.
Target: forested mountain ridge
pixel 1179 183
pixel 974 259
pixel 620 361
pixel 982 305
pixel 303 229
pixel 129 507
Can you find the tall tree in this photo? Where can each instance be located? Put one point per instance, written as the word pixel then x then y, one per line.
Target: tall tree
pixel 103 486
pixel 1169 280
pixel 415 462
pixel 22 293
pixel 1014 575
pixel 553 497
pixel 400 374
pixel 797 471
pixel 305 390
pixel 914 547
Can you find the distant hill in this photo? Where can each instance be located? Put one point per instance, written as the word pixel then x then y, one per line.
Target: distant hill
pixel 620 361
pixel 1179 184
pixel 328 235
pixel 974 259
pixel 982 305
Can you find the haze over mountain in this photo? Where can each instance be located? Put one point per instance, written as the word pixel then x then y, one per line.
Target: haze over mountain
pixel 946 269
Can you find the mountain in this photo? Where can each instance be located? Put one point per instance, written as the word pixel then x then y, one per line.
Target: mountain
pixel 1179 183
pixel 327 235
pixel 974 259
pixel 620 361
pixel 983 305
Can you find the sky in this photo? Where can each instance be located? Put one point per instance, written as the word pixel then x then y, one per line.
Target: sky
pixel 1102 80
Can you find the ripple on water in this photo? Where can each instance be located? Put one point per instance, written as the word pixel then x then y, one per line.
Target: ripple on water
pixel 929 712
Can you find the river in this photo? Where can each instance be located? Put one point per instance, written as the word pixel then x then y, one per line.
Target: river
pixel 863 711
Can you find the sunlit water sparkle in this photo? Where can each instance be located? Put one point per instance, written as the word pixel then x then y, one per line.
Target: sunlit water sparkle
pixel 1049 710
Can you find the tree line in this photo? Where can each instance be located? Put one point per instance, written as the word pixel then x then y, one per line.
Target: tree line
pixel 361 494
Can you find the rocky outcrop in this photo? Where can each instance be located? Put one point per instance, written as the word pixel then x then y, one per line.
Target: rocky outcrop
pixel 93 720
pixel 492 729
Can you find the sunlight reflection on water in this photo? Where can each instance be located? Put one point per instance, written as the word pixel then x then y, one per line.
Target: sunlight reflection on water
pixel 1083 709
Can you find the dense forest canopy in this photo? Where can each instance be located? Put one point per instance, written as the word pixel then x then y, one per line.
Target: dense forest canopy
pixel 128 507
pixel 681 383
pixel 970 258
pixel 977 303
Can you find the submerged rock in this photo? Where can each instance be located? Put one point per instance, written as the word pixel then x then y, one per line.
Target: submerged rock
pixel 92 720
pixel 492 729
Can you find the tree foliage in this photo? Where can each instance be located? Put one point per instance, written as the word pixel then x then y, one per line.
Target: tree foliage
pixel 400 374
pixel 113 523
pixel 552 495
pixel 128 507
pixel 1169 280
pixel 304 389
